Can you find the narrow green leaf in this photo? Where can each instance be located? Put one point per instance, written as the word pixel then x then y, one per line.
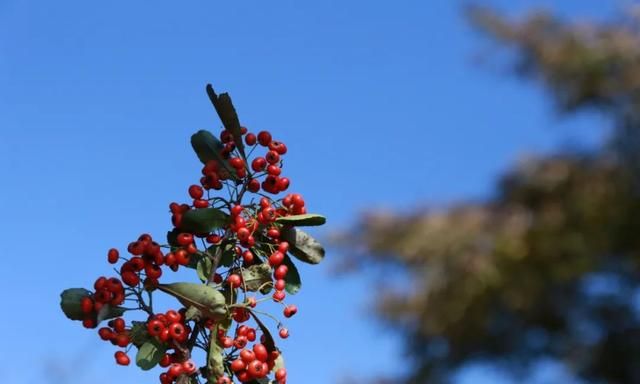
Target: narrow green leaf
pixel 203 220
pixel 215 358
pixel 70 302
pixel 302 245
pixel 228 115
pixel 193 313
pixel 256 275
pixel 292 280
pixel 208 148
pixel 278 363
pixel 203 268
pixel 205 298
pixel 149 354
pixel 138 333
pixel 172 237
pixel 228 255
pixel 309 219
pixel 268 339
pixel 109 312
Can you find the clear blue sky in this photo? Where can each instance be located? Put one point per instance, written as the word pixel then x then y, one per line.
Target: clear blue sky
pixel 378 101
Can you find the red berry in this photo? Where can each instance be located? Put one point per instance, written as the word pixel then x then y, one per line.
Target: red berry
pixel 283 332
pixel 280 285
pixel 253 186
pixel 247 355
pixel 223 380
pixel 165 361
pixel 281 374
pixel 225 136
pixel 113 255
pixel 273 233
pixel 175 370
pixel 155 327
pixel 247 256
pixel 258 164
pixel 278 296
pixel 226 342
pixel 236 162
pixel 189 367
pixel 234 280
pixel 200 203
pixel 86 305
pixel 238 365
pixel 276 258
pixel 297 200
pixel 185 239
pixel 121 340
pixel 196 192
pixel 264 138
pixel 281 272
pixel 290 310
pixel 283 184
pixel 236 210
pixel 177 331
pixel 100 283
pixel 106 334
pixel 243 234
pixel 274 170
pixel 213 239
pixel 153 271
pixel 278 146
pixel 173 316
pixel 118 324
pixel 283 246
pixel 251 335
pixel 272 157
pixel 256 369
pixel 260 351
pixel 240 342
pixel 250 139
pixel 122 358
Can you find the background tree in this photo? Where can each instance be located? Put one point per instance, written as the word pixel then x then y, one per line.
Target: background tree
pixel 549 266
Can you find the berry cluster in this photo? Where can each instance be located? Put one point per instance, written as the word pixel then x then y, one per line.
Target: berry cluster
pixel 240 245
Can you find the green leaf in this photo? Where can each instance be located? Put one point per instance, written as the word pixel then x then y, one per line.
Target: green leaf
pixel 70 302
pixel 256 275
pixel 228 255
pixel 302 245
pixel 172 237
pixel 208 148
pixel 109 312
pixel 309 219
pixel 278 363
pixel 193 313
pixel 149 354
pixel 292 279
pixel 215 358
pixel 228 115
pixel 138 333
pixel 268 339
pixel 205 298
pixel 203 220
pixel 203 267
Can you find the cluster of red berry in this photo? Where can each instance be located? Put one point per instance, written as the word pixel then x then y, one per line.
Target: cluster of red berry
pixel 236 245
pixel 107 292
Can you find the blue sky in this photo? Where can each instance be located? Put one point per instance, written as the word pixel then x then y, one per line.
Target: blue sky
pixel 379 102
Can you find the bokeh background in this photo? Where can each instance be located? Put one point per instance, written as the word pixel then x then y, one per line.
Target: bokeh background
pixel 478 167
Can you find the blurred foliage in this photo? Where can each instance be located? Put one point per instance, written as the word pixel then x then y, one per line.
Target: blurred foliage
pixel 550 267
